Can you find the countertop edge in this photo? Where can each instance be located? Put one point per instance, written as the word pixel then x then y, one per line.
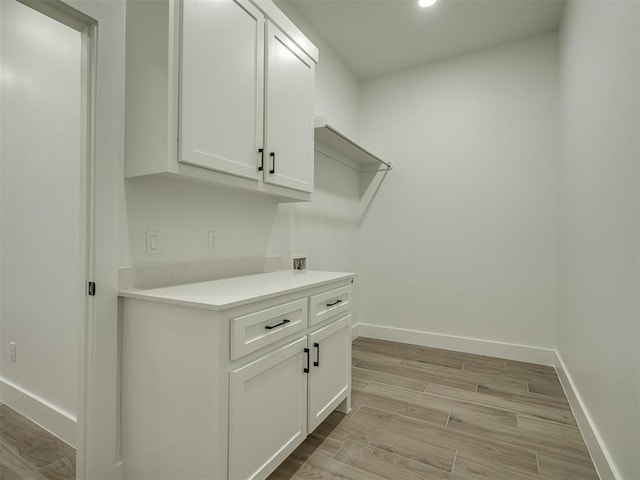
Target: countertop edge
pixel 144 295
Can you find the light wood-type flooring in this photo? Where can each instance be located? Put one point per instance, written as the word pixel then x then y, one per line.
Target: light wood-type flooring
pixel 422 413
pixel 418 414
pixel 28 452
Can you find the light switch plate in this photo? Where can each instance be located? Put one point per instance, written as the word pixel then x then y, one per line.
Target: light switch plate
pixel 153 242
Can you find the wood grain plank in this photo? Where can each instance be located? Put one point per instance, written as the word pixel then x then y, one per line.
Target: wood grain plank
pixel 413 408
pixel 530 398
pixel 480 468
pixel 518 405
pixel 496 451
pixel 520 438
pixel 418 374
pixel 490 379
pixel 463 409
pixel 323 468
pixel 63 469
pixel 365 375
pixel 428 355
pixel 553 468
pixel 29 441
pixel 386 464
pixel 12 467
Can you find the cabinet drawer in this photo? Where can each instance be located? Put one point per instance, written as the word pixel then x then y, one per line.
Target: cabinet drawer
pixel 259 329
pixel 326 305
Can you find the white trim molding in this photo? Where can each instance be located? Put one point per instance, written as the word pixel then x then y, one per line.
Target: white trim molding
pixel 510 351
pixel 595 444
pixel 60 423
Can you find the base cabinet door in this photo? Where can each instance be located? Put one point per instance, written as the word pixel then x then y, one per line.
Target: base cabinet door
pixel 330 376
pixel 267 411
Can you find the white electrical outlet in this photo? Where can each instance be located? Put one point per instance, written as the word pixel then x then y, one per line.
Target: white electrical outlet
pixel 13 351
pixel 153 242
pixel 212 241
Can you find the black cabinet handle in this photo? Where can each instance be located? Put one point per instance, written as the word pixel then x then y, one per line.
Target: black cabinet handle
pixel 283 322
pixel 317 362
pixel 334 303
pixel 306 370
pixel 261 167
pixel 273 162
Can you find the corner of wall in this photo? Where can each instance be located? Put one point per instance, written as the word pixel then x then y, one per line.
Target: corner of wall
pixel 595 444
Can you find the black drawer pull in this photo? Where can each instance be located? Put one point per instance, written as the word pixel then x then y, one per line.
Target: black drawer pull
pixel 334 303
pixel 283 322
pixel 261 152
pixel 317 362
pixel 306 370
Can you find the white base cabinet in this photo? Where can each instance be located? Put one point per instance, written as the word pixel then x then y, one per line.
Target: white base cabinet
pixel 195 406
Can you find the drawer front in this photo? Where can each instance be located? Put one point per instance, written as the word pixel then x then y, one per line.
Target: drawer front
pixel 327 304
pixel 256 330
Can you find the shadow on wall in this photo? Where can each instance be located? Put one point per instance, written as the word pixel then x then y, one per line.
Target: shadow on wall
pixel 370 184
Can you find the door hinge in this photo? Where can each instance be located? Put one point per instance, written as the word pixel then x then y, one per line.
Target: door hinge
pixel 91 290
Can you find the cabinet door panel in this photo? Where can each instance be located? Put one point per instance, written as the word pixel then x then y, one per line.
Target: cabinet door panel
pixel 289 114
pixel 221 103
pixel 329 382
pixel 267 411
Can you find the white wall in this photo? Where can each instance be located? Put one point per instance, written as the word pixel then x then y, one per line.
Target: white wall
pixel 325 229
pixel 337 90
pixel 460 238
pixel 598 334
pixel 40 160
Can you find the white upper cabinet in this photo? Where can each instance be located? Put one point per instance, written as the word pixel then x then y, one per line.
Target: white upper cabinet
pixel 221 92
pixel 289 113
pixel 221 110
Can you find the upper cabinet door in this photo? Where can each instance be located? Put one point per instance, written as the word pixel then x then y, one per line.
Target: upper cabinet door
pixel 289 113
pixel 222 82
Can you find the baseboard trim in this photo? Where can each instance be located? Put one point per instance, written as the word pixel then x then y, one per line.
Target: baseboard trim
pixel 511 351
pixel 48 416
pixel 599 453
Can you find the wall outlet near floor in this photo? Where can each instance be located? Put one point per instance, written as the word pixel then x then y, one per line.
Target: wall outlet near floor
pixel 212 241
pixel 299 262
pixel 12 351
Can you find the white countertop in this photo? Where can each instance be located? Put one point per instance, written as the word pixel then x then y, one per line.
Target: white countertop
pixel 232 292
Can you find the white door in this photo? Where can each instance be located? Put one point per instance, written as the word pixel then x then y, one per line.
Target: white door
pixel 97 180
pixel 330 374
pixel 267 411
pixel 289 113
pixel 43 223
pixel 221 103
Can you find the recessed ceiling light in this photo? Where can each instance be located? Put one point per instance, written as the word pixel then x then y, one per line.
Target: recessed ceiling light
pixel 426 3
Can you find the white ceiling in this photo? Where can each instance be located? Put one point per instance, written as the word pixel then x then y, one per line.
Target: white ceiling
pixel 374 37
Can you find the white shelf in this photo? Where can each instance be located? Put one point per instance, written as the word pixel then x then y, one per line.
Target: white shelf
pixel 338 142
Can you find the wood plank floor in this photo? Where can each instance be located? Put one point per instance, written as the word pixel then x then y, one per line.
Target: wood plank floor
pixel 28 452
pixel 422 413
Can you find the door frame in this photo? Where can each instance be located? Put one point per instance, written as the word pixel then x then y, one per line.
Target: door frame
pixel 102 24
